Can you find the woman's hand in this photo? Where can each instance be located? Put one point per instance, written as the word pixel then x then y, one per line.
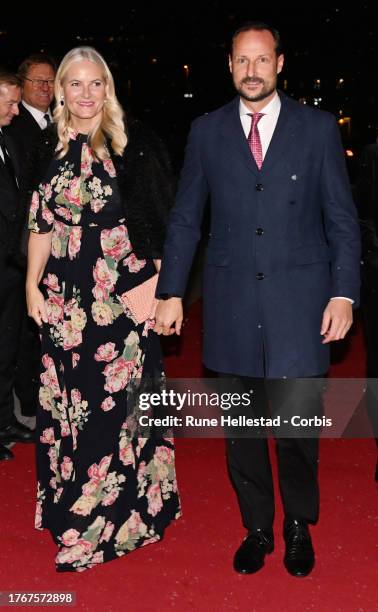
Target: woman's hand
pixel 36 305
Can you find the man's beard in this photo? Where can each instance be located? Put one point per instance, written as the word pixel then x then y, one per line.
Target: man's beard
pixel 264 93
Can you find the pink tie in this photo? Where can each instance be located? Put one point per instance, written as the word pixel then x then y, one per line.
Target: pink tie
pixel 254 139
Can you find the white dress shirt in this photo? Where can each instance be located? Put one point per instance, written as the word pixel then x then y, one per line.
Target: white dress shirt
pixel 38 115
pixel 266 127
pixel 267 123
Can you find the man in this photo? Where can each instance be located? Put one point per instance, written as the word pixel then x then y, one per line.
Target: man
pixel 12 282
pixel 37 74
pixel 281 273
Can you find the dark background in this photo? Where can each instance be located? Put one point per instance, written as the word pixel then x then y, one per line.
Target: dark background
pixel 147 46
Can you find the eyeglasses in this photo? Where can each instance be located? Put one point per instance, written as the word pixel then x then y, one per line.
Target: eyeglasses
pixel 40 82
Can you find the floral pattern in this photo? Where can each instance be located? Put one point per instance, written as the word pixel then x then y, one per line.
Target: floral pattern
pixel 102 490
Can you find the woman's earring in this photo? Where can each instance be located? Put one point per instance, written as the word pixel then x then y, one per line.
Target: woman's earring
pixel 62 101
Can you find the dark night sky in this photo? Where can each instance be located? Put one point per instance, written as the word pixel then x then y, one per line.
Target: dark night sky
pixel 320 41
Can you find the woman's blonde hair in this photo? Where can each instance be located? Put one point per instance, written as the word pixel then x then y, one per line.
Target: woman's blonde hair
pixel 111 124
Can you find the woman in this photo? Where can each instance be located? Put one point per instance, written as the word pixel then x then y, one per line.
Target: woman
pixel 97 226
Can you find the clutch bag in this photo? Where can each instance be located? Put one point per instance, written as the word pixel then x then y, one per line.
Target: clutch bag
pixel 141 300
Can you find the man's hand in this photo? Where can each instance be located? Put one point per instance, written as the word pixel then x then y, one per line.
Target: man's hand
pixel 169 316
pixel 337 319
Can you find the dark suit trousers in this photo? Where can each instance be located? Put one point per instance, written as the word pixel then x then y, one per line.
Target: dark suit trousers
pixel 248 457
pixel 369 303
pixel 26 379
pixel 11 306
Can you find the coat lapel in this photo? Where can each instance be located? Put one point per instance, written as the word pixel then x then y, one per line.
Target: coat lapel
pixel 232 131
pixel 284 136
pixel 280 146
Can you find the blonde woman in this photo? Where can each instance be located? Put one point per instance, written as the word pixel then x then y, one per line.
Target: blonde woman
pixel 97 221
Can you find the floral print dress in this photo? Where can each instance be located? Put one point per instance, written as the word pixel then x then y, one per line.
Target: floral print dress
pixel 102 492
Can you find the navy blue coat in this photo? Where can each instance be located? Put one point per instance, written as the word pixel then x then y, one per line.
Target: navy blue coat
pixel 283 240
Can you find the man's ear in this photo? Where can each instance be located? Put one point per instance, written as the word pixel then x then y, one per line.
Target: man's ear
pixel 280 62
pixel 230 62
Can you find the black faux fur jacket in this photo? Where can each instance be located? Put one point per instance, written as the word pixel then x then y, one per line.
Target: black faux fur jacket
pixel 145 181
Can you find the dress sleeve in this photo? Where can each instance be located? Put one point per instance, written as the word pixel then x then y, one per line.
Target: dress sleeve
pixel 41 219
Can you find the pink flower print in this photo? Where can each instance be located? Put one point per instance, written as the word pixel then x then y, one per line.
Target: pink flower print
pixel 54 308
pixel 64 212
pixel 110 498
pixel 75 396
pixel 115 242
pixel 118 374
pixel 38 516
pixel 65 428
pixel 126 455
pixel 73 553
pixel 107 533
pixel 48 216
pixel 70 537
pixel 90 487
pixel 34 203
pixel 109 167
pixel 155 502
pixel 72 192
pixel 71 337
pixel 51 281
pixel 134 264
pixel 99 471
pixel 74 242
pixel 102 313
pixel 75 359
pixel 47 436
pixel 49 377
pixel 86 162
pixel 103 276
pixel 148 324
pixel 135 523
pixel 164 454
pixel 108 404
pixel 106 352
pixel 100 293
pixel 97 205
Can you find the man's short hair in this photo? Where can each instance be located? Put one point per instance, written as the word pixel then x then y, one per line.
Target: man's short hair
pixel 258 26
pixel 9 78
pixel 31 60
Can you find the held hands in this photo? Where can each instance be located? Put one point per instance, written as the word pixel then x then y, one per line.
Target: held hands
pixel 169 317
pixel 337 320
pixel 36 305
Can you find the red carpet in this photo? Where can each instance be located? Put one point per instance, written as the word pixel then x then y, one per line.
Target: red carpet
pixel 191 569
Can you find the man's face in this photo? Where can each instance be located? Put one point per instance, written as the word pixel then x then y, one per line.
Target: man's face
pixel 39 95
pixel 10 96
pixel 254 65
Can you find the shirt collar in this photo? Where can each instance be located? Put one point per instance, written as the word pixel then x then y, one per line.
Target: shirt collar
pixel 272 108
pixel 37 114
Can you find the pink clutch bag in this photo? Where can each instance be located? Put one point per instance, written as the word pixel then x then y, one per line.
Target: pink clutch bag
pixel 141 300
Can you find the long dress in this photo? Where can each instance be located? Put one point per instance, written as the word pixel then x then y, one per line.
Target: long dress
pixel 102 491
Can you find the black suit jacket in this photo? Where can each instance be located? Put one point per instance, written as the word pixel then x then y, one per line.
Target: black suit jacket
pixel 10 209
pixel 24 131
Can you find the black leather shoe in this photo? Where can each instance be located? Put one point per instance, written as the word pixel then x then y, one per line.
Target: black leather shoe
pixel 299 557
pixel 5 453
pixel 16 432
pixel 249 557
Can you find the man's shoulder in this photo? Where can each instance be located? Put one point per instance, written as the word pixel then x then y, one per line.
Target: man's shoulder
pixel 311 114
pixel 216 116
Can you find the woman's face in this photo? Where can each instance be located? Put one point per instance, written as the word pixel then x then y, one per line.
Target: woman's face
pixel 84 93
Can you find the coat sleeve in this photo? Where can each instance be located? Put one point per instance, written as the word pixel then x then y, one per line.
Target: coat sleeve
pixel 340 218
pixel 184 227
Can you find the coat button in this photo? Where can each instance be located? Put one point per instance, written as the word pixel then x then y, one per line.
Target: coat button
pixel 259 276
pixel 259 231
pixel 259 187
